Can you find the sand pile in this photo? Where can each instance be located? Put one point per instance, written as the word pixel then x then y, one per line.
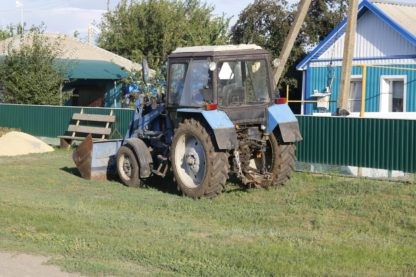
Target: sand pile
pixel 18 143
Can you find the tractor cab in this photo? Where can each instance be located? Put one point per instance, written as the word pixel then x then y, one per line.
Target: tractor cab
pixel 232 78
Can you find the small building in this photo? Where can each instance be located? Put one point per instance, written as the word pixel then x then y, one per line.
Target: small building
pixel 93 74
pixel 385 49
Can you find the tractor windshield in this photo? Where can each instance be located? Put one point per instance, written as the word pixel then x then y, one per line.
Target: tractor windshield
pixel 190 83
pixel 242 82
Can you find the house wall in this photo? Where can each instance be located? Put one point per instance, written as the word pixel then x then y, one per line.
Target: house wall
pixel 317 78
pixel 374 38
pixel 378 43
pixel 102 93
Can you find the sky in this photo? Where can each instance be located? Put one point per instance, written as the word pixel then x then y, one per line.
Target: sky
pixel 68 16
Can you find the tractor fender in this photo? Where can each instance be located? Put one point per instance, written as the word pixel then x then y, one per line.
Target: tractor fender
pixel 219 123
pixel 281 116
pixel 143 156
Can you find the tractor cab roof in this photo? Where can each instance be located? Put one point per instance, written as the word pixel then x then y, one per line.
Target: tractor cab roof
pixel 217 50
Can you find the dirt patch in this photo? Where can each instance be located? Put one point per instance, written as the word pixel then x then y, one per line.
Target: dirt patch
pixel 24 265
pixel 18 143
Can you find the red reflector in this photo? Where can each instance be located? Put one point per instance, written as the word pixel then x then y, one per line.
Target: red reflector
pixel 281 100
pixel 212 106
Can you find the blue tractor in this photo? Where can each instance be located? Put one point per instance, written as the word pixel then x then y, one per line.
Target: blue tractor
pixel 219 117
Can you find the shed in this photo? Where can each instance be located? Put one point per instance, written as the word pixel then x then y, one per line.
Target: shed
pixel 93 74
pixel 385 46
pixel 93 82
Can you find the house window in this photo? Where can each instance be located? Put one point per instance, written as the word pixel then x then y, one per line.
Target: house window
pixel 397 94
pixel 355 95
pixel 393 94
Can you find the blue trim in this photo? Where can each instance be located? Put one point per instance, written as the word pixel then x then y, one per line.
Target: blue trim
pixel 307 106
pixel 363 7
pixel 396 57
pixel 216 119
pixel 279 114
pixel 323 43
pixel 221 125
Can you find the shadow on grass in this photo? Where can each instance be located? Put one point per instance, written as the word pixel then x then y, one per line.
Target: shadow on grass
pixel 71 170
pixel 165 185
pixel 235 186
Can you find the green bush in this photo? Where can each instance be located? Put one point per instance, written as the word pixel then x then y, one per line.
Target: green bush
pixel 29 73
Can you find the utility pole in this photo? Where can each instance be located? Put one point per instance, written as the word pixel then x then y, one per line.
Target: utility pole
pixel 349 45
pixel 290 39
pixel 19 4
pixel 90 34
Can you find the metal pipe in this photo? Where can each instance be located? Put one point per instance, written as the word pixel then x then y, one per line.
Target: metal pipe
pixel 392 67
pixel 311 101
pixel 287 93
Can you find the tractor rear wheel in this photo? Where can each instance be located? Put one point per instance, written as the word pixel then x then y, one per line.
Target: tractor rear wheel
pixel 279 161
pixel 284 161
pixel 199 170
pixel 128 167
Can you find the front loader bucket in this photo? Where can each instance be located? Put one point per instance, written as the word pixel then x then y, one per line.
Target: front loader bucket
pixel 96 160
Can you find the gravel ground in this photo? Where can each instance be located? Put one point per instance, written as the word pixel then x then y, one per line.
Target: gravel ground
pixel 25 265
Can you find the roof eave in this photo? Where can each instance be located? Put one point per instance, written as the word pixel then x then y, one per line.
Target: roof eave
pixel 341 27
pixel 386 19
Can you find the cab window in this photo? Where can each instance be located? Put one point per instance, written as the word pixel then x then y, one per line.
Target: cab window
pixel 242 82
pixel 191 84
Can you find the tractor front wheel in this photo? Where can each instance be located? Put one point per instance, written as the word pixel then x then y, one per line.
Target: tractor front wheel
pixel 128 167
pixel 199 170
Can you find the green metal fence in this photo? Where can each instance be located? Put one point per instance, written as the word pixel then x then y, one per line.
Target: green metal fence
pixel 52 121
pixel 374 143
pixel 364 142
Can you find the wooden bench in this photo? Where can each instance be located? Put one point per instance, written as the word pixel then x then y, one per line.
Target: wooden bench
pixel 95 124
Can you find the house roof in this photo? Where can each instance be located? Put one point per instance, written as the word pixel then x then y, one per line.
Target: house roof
pixel 404 14
pixel 91 69
pixel 73 49
pixel 401 16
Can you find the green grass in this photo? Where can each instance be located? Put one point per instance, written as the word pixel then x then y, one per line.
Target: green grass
pixel 315 225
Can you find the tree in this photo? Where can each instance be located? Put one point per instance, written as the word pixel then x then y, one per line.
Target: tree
pixel 13 30
pixel 323 16
pixel 154 28
pixel 267 23
pixel 29 74
pixel 6 33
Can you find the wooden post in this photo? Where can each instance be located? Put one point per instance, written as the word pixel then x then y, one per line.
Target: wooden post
pixel 349 45
pixel 107 124
pixel 290 40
